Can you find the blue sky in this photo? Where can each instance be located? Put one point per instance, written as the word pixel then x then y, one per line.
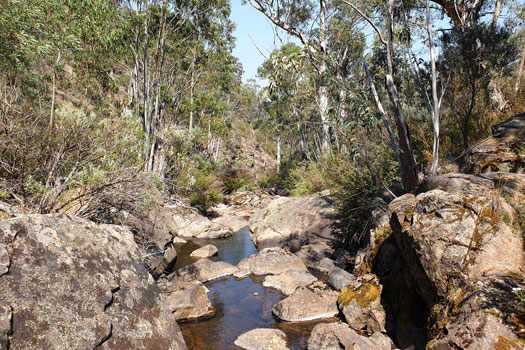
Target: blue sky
pixel 251 27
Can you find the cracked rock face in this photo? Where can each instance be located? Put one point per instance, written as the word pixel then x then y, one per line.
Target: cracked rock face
pixel 72 284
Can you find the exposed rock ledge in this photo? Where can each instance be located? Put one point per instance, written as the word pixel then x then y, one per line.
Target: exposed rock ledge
pixel 72 284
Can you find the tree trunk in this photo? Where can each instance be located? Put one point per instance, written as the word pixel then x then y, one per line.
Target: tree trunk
pixel 520 71
pixel 53 94
pixel 496 14
pixel 278 142
pixel 323 88
pixel 192 87
pixel 436 102
pixel 407 166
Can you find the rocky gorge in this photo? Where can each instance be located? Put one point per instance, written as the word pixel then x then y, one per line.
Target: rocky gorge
pixel 442 268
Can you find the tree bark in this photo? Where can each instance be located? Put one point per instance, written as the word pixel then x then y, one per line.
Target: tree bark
pixel 435 98
pixel 323 88
pixel 278 142
pixel 407 166
pixel 520 71
pixel 53 94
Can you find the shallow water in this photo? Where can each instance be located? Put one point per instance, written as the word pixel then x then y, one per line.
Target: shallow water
pixel 242 305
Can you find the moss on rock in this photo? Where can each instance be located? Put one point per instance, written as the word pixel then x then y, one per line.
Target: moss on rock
pixel 364 295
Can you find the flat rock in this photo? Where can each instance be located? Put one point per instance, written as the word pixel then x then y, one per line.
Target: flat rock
pixel 316 301
pixel 287 282
pixel 340 278
pixel 233 222
pixel 286 217
pixel 272 261
pixel 187 300
pixel 204 270
pixel 204 252
pixel 73 284
pixel 339 336
pixel 262 339
pixel 193 225
pixel 179 240
pixel 316 255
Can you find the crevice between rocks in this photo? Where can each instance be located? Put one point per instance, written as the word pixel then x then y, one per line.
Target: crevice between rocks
pixel 110 302
pixel 106 338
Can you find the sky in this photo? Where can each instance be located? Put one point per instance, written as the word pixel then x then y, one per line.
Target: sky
pixel 254 33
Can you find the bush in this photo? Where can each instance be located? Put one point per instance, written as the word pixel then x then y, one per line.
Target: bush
pixel 204 201
pixel 236 179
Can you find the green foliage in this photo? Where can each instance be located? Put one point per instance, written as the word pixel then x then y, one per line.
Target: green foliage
pixel 356 182
pixel 205 195
pixel 236 180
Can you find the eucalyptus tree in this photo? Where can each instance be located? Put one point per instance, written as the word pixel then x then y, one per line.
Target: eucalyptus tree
pixel 307 21
pixel 287 74
pixel 166 36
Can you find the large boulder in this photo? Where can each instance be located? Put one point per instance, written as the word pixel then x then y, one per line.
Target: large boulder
pixel 316 301
pixel 287 217
pixel 464 261
pixel 72 284
pixel 339 336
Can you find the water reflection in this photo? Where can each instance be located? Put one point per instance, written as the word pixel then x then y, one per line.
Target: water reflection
pixel 241 305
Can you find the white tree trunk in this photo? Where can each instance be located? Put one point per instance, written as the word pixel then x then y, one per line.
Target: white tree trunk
pixel 323 88
pixel 278 142
pixel 435 98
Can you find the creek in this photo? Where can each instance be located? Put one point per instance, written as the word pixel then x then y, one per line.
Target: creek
pixel 241 305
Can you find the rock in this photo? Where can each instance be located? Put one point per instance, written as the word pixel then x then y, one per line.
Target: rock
pixel 340 278
pixel 502 152
pixel 204 270
pixel 243 269
pixel 204 252
pixel 339 336
pixel 380 231
pixel 187 300
pixel 513 127
pixel 170 257
pixel 4 259
pixel 316 301
pixel 361 305
pixel 287 282
pixel 73 284
pixel 179 240
pixel 232 222
pixel 262 339
pixel 6 317
pixel 272 261
pixel 464 261
pixel 193 225
pixel 8 211
pixel 286 217
pixel 477 330
pixel 316 255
